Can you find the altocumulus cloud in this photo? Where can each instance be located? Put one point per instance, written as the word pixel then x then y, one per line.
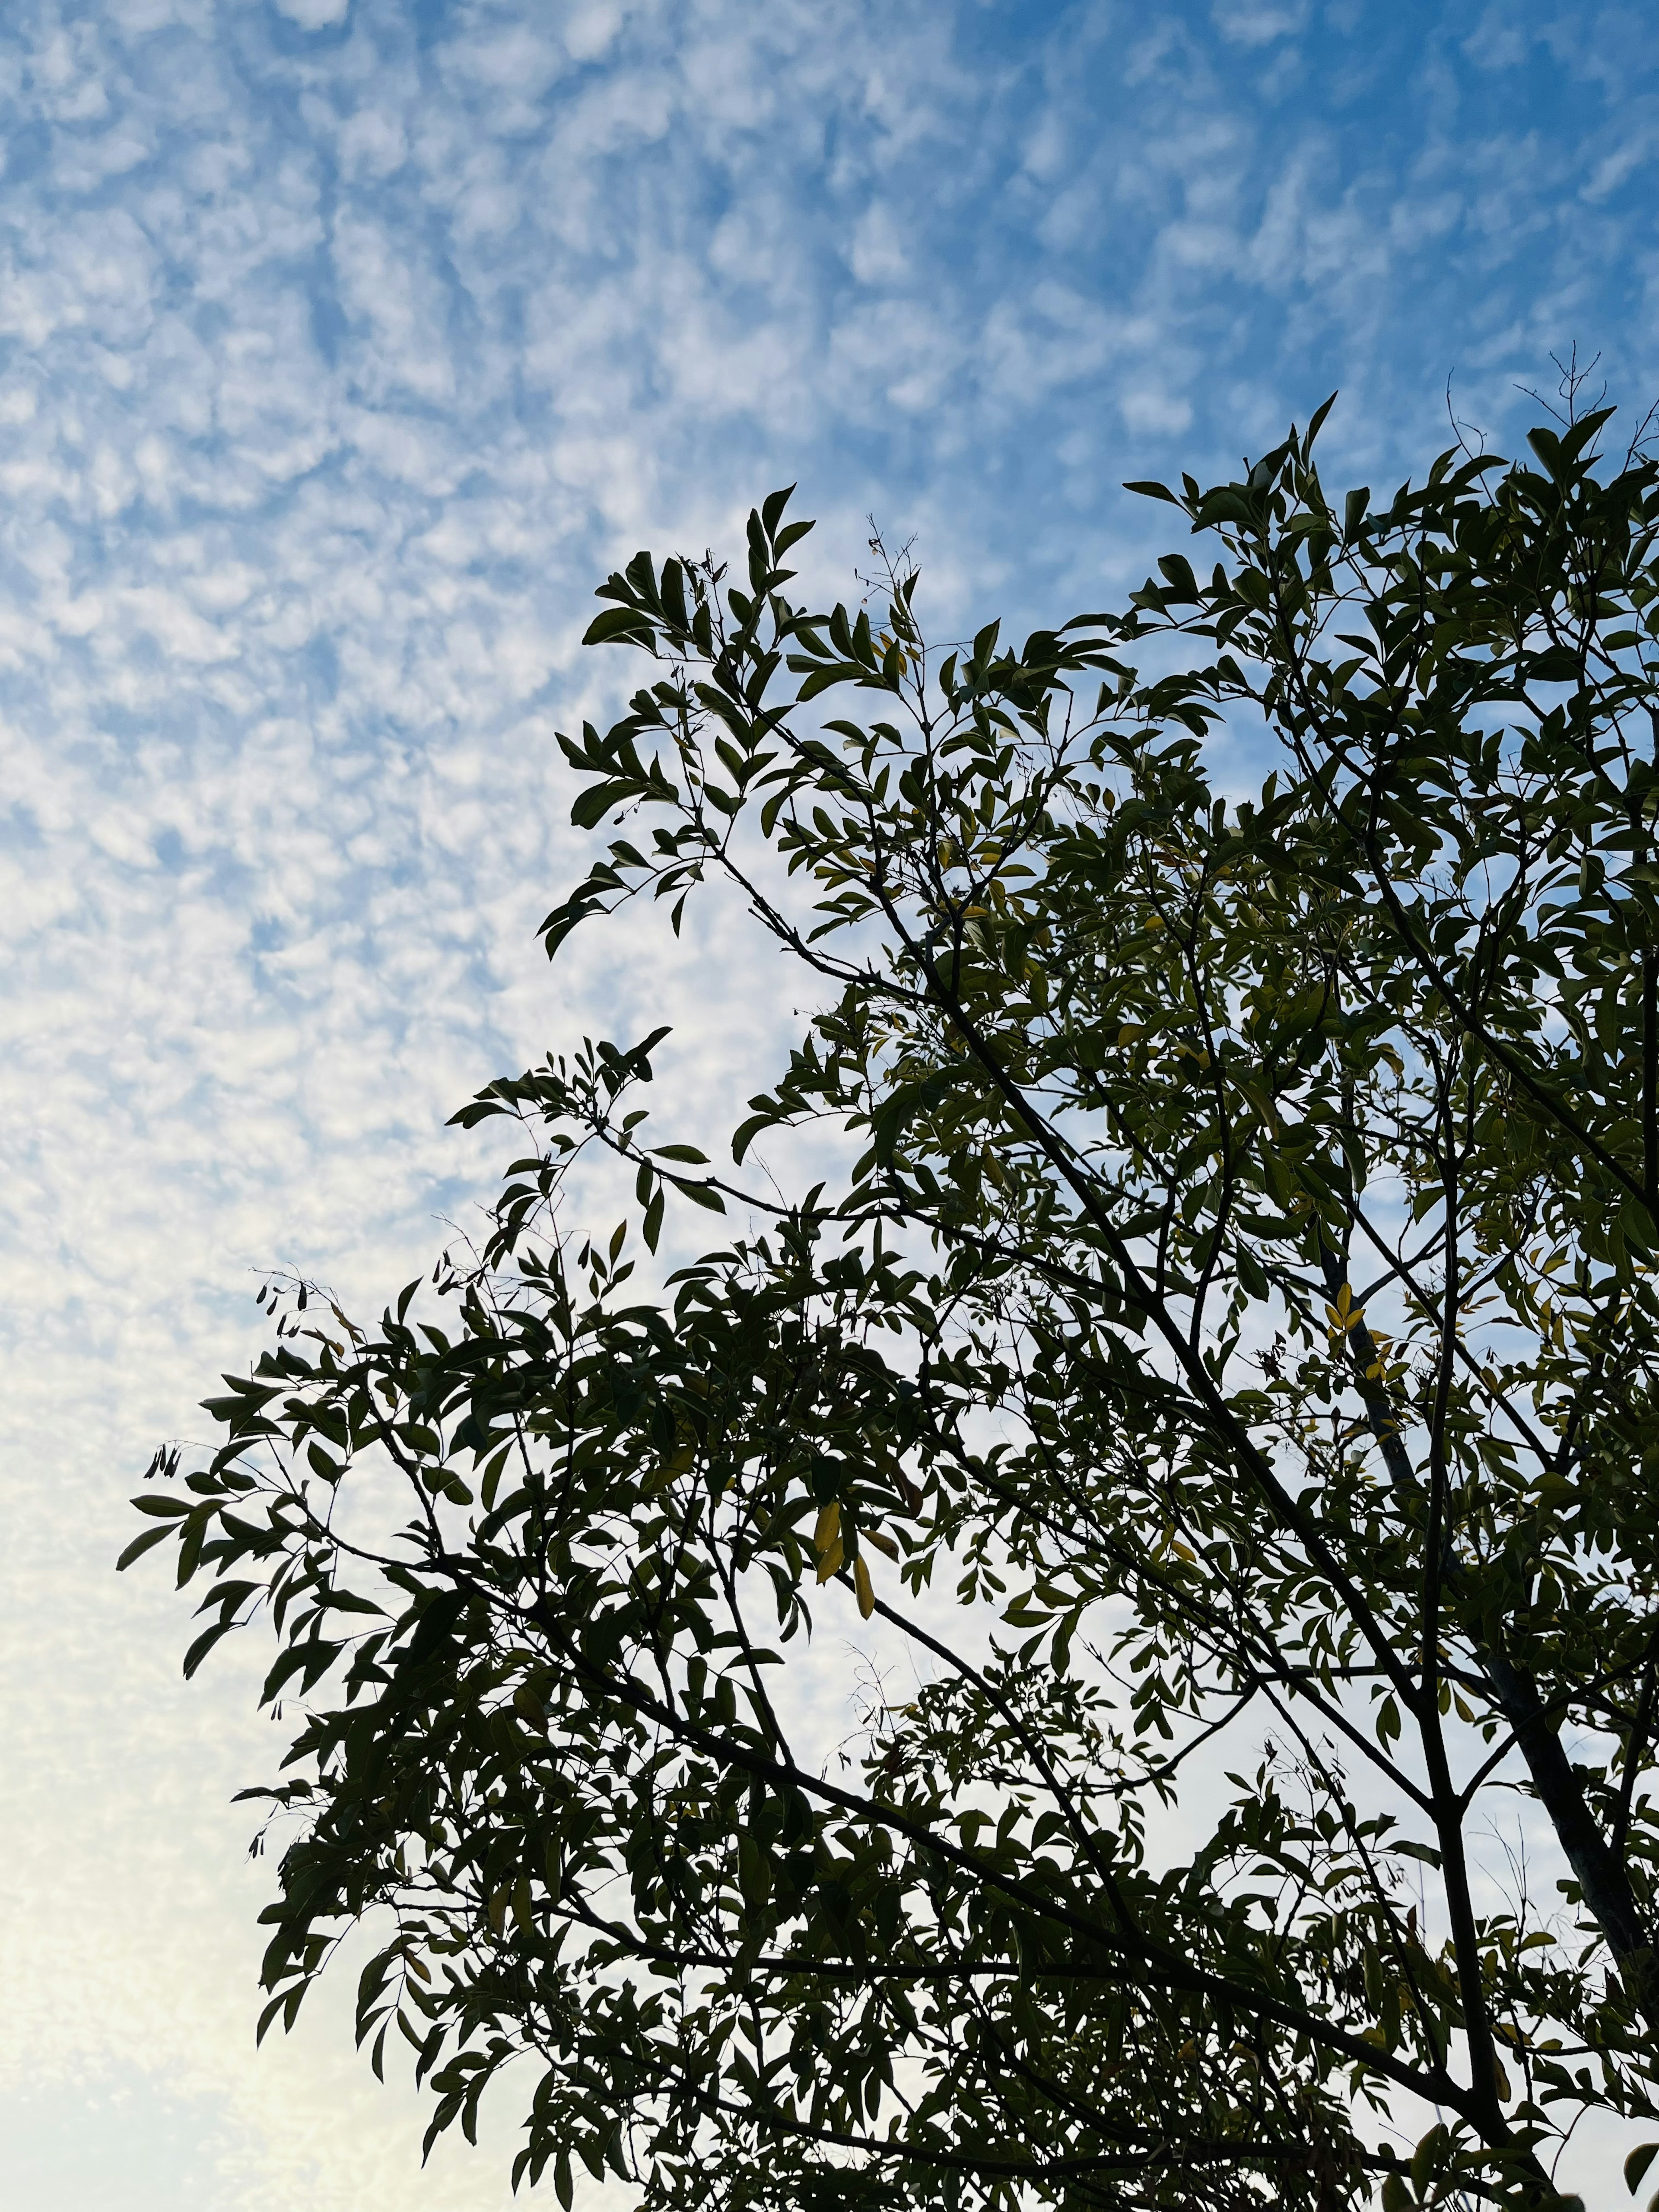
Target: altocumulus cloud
pixel 344 345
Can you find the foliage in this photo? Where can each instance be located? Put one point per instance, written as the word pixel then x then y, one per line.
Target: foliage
pixel 1243 1296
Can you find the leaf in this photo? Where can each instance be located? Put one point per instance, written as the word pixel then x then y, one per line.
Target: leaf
pixel 1406 1847
pixel 747 1132
pixel 1429 2155
pixel 1178 570
pixel 627 623
pixel 204 1644
pixel 162 1507
pixel 1547 446
pixel 269 2015
pixel 438 1621
pixel 825 679
pixel 867 1595
pixel 141 1544
pixel 652 1226
pixel 1583 431
pixel 593 805
pixel 1135 1050
pixel 1637 2164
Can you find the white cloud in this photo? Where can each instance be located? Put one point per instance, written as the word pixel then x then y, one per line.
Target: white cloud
pixel 1151 410
pixel 1499 41
pixel 372 141
pixel 1258 22
pixel 314 14
pixel 878 255
pixel 337 371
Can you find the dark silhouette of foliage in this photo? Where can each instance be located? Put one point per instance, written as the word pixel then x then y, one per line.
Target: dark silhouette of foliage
pixel 1243 1297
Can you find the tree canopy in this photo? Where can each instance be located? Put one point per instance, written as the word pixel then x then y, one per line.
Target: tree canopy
pixel 1225 1363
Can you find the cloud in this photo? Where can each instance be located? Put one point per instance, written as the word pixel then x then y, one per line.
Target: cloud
pixel 314 14
pixel 1257 22
pixel 346 349
pixel 1499 41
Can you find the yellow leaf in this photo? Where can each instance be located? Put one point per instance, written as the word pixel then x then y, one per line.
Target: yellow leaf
pixel 861 1584
pixel 830 1563
pixel 828 1530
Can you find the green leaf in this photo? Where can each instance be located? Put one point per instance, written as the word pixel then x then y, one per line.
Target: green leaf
pixel 1150 1086
pixel 204 1644
pixel 1547 446
pixel 1637 2164
pixel 652 1226
pixel 140 1545
pixel 626 623
pixel 1430 2156
pixel 591 806
pixel 1405 1847
pixel 747 1132
pixel 1179 571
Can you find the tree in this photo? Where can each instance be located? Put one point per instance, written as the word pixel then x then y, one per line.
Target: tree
pixel 1243 1296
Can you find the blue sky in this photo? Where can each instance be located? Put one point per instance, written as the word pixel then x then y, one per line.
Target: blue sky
pixel 344 345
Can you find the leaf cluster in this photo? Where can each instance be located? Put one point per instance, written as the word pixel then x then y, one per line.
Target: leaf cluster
pixel 1241 1289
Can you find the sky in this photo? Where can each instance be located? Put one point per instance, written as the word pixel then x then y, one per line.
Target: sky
pixel 345 346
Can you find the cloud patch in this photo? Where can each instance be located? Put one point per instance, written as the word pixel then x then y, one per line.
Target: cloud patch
pixel 344 349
